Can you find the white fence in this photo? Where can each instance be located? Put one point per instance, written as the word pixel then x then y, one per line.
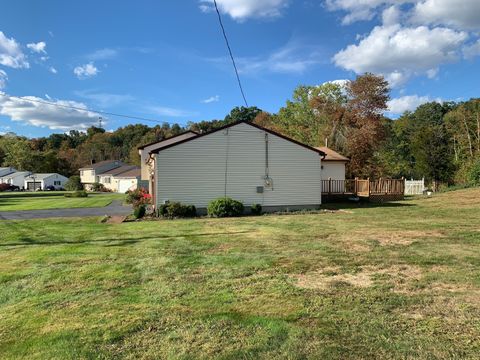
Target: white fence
pixel 414 187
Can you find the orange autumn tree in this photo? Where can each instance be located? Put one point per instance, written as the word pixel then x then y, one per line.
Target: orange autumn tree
pixel 368 96
pixel 355 127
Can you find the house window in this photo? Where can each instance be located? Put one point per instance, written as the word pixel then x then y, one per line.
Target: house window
pixel 107 180
pixel 57 183
pixel 81 172
pixel 93 172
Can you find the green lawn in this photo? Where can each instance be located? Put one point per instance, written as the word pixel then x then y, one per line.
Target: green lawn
pixel 399 281
pixel 10 201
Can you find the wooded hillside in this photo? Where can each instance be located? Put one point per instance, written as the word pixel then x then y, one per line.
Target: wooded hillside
pixel 438 141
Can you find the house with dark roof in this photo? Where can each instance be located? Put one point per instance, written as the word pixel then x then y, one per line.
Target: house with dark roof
pixel 6 171
pixel 90 174
pixel 243 161
pixel 16 178
pixel 121 179
pixel 112 174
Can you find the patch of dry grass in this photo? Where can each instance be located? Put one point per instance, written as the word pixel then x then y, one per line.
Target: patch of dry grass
pixel 369 282
pixel 400 276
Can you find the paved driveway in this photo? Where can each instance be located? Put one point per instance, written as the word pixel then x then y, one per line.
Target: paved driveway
pixel 115 208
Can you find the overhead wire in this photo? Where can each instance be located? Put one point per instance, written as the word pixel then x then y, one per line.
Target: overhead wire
pixel 230 52
pixel 100 112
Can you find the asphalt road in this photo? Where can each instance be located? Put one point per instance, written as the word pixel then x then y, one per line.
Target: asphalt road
pixel 115 208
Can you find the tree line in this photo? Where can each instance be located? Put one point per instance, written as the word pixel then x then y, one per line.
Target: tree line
pixel 438 141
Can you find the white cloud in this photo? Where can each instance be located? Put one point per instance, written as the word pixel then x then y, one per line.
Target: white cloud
pixel 102 54
pixel 341 82
pixel 398 52
pixel 3 79
pixel 472 50
pixel 38 47
pixel 52 70
pixel 85 71
pixel 240 10
pixel 360 10
pixel 105 100
pixel 415 38
pixel 45 115
pixel 460 14
pixel 11 54
pixel 293 58
pixel 391 16
pixel 168 111
pixel 211 99
pixel 399 105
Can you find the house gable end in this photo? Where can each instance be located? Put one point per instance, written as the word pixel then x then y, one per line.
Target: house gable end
pixel 320 152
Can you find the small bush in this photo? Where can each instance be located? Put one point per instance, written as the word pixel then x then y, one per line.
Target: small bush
pixel 177 210
pixel 256 209
pixel 73 183
pixel 98 187
pixel 77 194
pixel 225 207
pixel 138 197
pixel 139 211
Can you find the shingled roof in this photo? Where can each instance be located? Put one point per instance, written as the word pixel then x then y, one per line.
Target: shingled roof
pixel 102 163
pixel 332 155
pixel 118 170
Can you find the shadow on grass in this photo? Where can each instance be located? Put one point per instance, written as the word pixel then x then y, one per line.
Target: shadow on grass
pixel 19 195
pixel 364 205
pixel 28 241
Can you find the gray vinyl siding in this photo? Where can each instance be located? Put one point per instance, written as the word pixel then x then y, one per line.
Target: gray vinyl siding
pixel 194 172
pixel 145 152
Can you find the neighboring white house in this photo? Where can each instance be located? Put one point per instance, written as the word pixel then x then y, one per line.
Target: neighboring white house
pixel 42 181
pixel 112 174
pixel 121 179
pixel 6 170
pixel 91 174
pixel 147 163
pixel 333 165
pixel 128 180
pixel 16 178
pixel 243 161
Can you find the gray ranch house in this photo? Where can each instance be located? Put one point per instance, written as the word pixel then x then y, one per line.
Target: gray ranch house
pixel 242 160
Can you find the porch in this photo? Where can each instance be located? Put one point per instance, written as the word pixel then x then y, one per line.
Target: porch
pixel 374 190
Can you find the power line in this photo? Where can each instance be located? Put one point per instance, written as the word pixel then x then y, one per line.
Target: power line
pixel 230 52
pixel 100 112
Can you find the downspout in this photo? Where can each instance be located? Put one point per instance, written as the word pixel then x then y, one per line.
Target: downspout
pixel 152 179
pixel 321 176
pixel 267 178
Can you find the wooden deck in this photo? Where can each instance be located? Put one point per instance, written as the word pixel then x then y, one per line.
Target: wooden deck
pixel 375 190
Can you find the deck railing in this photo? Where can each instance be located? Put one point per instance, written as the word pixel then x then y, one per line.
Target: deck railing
pixel 364 187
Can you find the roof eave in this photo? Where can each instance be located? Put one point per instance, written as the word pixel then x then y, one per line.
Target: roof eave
pixel 169 138
pixel 320 152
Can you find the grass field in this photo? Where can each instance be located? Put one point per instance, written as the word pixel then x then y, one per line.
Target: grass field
pixel 398 281
pixel 10 201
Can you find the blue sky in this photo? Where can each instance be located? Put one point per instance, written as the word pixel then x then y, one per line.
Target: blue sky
pixel 167 60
